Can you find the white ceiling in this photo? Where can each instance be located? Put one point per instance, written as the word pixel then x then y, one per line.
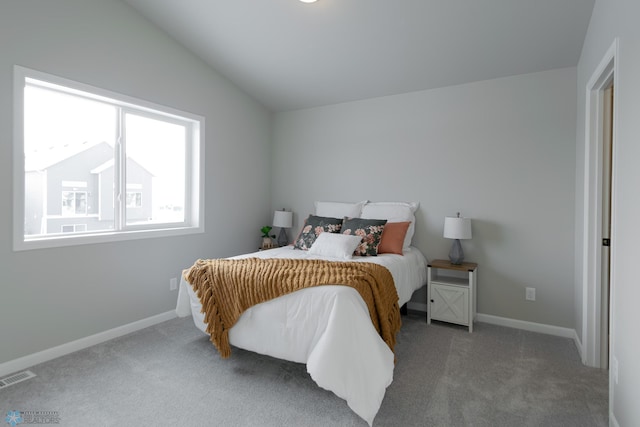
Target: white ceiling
pixel 290 55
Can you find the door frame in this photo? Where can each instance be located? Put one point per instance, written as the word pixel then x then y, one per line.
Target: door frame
pixel 592 327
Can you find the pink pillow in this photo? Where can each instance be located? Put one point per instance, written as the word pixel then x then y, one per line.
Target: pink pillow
pixel 393 237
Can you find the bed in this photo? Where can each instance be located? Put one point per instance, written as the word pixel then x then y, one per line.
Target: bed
pixel 328 328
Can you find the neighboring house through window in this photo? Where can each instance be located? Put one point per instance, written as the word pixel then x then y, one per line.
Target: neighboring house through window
pixel 128 168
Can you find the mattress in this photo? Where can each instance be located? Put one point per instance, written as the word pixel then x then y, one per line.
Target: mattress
pixel 327 327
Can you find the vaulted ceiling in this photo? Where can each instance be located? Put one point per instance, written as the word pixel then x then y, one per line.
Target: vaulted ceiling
pixel 290 55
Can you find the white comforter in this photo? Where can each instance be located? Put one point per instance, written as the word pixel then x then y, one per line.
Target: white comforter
pixel 326 327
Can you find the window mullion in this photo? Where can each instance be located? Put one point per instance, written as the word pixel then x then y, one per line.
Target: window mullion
pixel 119 172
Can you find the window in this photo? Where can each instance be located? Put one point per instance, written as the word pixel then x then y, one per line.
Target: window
pixel 128 168
pixel 74 203
pixel 74 228
pixel 74 200
pixel 134 200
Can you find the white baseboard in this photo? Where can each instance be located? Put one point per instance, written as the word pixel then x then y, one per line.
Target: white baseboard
pixel 578 343
pixel 612 420
pixel 527 326
pixel 517 324
pixel 82 343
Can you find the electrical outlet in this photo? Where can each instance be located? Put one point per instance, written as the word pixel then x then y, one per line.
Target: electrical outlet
pixel 614 369
pixel 530 294
pixel 173 284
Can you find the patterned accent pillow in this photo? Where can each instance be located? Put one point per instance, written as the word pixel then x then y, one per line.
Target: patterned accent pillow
pixel 369 229
pixel 313 227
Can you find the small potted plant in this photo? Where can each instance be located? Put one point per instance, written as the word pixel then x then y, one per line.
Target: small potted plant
pixel 267 242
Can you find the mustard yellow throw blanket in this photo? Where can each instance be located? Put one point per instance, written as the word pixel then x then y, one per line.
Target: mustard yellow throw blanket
pixel 227 287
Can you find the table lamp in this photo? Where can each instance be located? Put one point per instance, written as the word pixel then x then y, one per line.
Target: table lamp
pixel 457 228
pixel 283 219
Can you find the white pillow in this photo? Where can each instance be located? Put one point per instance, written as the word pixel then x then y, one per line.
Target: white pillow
pixel 339 209
pixel 335 245
pixel 393 212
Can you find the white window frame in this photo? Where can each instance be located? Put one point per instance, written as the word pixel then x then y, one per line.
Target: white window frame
pixel 194 206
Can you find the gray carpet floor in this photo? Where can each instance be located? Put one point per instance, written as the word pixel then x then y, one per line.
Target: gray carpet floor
pixel 171 375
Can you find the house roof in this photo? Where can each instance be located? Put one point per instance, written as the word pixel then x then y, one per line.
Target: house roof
pixel 290 55
pixel 44 158
pixel 110 163
pixel 103 167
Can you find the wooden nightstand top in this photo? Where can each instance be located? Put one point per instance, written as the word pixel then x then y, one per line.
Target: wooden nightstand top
pixel 446 264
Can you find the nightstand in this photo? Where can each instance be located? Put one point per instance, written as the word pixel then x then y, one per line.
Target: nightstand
pixel 452 299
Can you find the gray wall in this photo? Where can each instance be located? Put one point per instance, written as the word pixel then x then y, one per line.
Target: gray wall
pixel 610 19
pixel 50 297
pixel 501 151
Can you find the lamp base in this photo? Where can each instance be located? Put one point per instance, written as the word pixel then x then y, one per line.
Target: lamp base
pixel 456 255
pixel 283 240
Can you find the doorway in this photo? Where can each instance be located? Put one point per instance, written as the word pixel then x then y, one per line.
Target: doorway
pixel 599 211
pixel 607 171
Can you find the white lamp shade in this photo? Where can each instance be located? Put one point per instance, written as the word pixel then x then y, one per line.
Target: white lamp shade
pixel 457 228
pixel 282 219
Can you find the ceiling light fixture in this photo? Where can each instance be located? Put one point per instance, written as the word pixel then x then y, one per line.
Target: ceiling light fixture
pixel 308 1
